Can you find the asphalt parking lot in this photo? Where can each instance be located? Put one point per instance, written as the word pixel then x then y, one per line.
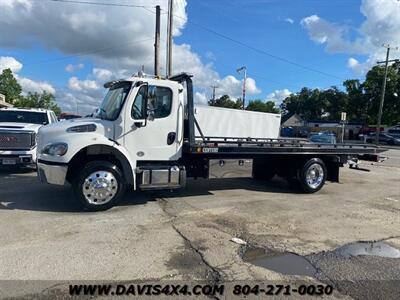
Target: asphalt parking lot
pixel 186 235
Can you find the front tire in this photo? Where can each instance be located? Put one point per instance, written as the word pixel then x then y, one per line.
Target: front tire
pixel 99 186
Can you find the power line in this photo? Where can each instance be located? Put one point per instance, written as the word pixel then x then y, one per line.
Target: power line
pixel 101 3
pixel 261 51
pixel 221 35
pixel 87 52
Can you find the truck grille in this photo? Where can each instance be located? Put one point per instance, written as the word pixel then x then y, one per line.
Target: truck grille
pixel 14 140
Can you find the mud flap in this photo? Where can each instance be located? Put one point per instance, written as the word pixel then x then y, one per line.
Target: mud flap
pixel 333 171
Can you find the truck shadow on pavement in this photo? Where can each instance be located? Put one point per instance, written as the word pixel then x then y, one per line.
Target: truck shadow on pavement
pixel 20 190
pixel 207 187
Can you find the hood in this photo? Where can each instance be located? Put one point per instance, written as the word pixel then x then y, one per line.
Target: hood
pixel 103 127
pixel 19 126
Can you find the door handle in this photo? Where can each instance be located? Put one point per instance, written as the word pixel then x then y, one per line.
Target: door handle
pixel 171 138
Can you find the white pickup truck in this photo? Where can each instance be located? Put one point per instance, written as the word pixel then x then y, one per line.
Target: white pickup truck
pixel 18 131
pixel 148 135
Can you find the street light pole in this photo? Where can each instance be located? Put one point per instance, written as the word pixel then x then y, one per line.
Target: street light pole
pixel 244 69
pixel 214 87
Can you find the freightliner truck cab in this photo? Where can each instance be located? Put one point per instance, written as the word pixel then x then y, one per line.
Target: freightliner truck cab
pixel 140 119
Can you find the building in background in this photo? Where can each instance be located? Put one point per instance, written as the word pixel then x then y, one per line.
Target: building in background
pixel 293 125
pixel 3 102
pixel 352 129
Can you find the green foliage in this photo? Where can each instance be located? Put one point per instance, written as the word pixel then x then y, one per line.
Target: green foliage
pixel 35 100
pixel 255 105
pixel 12 90
pixel 259 105
pixel 9 86
pixel 225 101
pixel 360 99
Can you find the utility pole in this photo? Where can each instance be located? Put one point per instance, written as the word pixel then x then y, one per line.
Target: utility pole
pixel 170 28
pixel 157 43
pixel 214 87
pixel 244 69
pixel 378 129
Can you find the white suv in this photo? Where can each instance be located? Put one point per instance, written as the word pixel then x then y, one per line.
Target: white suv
pixel 18 131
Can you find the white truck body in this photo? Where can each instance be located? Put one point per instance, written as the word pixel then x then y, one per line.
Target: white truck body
pixel 225 122
pixel 18 135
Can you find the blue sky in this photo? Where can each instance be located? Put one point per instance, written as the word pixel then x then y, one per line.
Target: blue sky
pixel 263 24
pixel 337 38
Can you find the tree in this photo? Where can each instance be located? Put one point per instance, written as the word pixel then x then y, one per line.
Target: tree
pixel 35 100
pixel 310 104
pixel 357 104
pixel 259 105
pixel 372 88
pixel 225 101
pixel 9 86
pixel 360 99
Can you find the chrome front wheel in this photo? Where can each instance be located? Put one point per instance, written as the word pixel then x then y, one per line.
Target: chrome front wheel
pixel 100 187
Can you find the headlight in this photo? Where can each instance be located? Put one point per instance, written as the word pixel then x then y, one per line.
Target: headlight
pixel 56 149
pixel 82 128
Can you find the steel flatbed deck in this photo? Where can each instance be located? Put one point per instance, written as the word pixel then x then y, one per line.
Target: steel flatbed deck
pixel 249 146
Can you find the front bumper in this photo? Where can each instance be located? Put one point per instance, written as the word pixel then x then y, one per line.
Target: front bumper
pixel 52 173
pixel 17 157
pixel 9 160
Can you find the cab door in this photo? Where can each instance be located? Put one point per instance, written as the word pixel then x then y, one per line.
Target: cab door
pixel 151 123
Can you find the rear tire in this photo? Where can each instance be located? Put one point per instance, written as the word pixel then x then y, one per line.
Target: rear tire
pixel 99 186
pixel 312 175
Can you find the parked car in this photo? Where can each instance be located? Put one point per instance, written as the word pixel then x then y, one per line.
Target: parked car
pixel 394 132
pixel 323 138
pixel 384 138
pixel 18 131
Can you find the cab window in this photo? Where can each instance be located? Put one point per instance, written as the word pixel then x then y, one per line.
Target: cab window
pixel 138 107
pixel 160 100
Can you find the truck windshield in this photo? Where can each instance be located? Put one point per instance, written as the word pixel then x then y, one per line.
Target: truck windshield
pixel 23 117
pixel 113 101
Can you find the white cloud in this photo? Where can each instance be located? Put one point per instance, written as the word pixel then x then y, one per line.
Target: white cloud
pixel 29 85
pixel 82 85
pixel 117 42
pixel 118 37
pixel 71 101
pixel 381 25
pixel 233 87
pixel 70 68
pixel 200 98
pixel 289 20
pixel 8 62
pixel 334 36
pixel 278 96
pixel 355 65
pixel 102 74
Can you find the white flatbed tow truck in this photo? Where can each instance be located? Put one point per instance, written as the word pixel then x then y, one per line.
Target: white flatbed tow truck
pixel 146 136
